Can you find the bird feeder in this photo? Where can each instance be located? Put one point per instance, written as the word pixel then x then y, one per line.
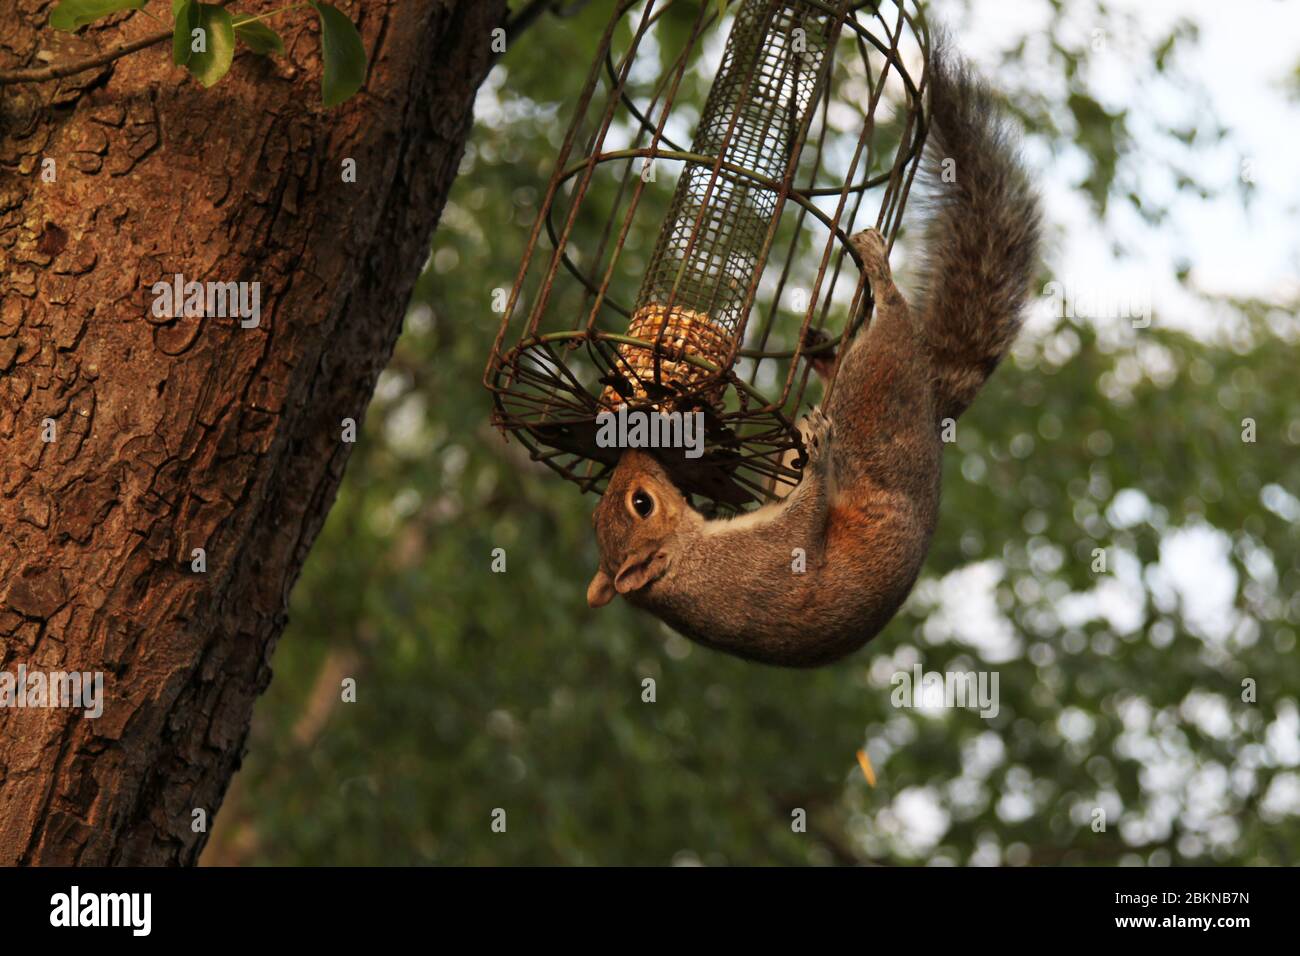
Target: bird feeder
pixel 812 129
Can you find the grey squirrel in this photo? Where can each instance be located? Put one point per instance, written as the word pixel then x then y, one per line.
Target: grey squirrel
pixel 868 499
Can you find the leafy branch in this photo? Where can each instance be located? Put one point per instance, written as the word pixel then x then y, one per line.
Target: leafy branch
pixel 203 38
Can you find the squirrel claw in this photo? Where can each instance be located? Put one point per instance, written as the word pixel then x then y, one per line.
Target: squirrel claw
pixel 816 430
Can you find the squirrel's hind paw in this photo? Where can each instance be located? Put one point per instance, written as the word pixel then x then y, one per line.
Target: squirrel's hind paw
pixel 873 249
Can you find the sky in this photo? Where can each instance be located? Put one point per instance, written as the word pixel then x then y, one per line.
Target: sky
pixel 1241 69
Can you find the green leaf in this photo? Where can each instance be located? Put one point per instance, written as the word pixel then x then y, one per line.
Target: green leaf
pixel 343 53
pixel 186 14
pixel 74 14
pixel 260 38
pixel 212 64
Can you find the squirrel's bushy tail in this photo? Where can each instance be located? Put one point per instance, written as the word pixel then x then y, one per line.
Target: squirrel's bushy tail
pixel 982 235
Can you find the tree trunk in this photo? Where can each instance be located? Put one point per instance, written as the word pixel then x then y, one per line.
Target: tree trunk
pixel 176 434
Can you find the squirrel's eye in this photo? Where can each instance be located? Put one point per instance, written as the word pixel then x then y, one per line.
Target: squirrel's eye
pixel 642 504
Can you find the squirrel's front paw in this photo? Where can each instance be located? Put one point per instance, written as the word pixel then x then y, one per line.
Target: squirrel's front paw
pixel 819 351
pixel 816 429
pixel 873 249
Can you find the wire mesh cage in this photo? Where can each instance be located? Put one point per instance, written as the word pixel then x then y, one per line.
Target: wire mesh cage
pixel 812 128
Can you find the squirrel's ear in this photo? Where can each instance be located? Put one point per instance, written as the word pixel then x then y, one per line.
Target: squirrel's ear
pixel 600 591
pixel 636 573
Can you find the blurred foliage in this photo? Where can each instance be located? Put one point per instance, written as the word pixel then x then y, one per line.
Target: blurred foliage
pixel 1120 690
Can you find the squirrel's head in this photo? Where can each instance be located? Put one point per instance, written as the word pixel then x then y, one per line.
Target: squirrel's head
pixel 638 523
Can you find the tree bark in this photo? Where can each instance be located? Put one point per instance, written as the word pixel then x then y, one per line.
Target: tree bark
pixel 177 434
